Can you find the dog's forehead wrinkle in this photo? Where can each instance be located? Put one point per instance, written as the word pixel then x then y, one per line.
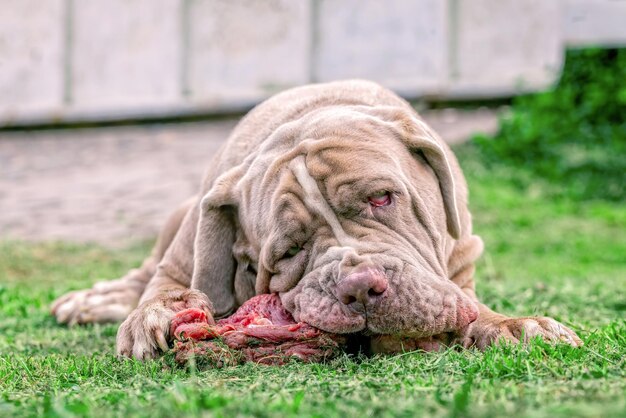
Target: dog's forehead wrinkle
pixel 314 199
pixel 425 217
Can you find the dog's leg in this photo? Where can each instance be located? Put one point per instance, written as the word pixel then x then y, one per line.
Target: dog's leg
pixel 114 300
pixel 491 327
pixel 146 330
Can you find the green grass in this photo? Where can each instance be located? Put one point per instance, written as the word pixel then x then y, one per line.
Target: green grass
pixel 543 256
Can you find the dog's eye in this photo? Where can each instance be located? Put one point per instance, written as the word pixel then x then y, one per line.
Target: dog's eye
pixel 381 198
pixel 292 251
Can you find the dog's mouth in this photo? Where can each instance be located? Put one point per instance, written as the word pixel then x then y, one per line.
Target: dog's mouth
pixel 262 331
pixel 415 304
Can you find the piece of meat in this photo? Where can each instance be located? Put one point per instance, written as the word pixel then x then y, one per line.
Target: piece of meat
pixel 261 331
pixel 188 316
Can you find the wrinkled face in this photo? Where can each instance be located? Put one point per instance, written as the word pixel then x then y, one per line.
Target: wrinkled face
pixel 355 239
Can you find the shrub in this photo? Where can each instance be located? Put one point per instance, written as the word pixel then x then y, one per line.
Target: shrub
pixel 573 136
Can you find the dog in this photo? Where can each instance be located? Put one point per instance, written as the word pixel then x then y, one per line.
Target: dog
pixel 339 198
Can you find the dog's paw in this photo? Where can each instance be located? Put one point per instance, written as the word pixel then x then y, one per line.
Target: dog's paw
pixel 146 331
pixel 483 334
pixel 109 301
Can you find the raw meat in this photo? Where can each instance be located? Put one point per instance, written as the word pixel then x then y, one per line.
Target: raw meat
pixel 261 331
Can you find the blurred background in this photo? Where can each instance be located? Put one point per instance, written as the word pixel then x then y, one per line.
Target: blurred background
pixel 89 88
pixel 67 60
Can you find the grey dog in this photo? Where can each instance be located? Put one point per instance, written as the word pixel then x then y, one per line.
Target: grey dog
pixel 339 198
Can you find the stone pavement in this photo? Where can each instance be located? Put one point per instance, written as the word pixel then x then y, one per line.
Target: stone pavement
pixel 116 185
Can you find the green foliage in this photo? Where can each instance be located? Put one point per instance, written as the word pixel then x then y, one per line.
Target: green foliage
pixel 574 134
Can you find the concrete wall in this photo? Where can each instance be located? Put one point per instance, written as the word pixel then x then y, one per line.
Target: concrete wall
pixel 66 60
pixel 594 22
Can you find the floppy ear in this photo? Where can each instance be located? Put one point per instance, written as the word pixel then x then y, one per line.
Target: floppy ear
pixel 214 264
pixel 443 164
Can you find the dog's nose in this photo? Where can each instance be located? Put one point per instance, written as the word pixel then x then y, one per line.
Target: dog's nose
pixel 364 286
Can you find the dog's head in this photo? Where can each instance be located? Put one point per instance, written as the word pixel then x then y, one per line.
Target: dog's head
pixel 349 214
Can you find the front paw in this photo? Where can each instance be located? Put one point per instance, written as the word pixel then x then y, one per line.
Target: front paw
pixel 109 301
pixel 482 334
pixel 147 330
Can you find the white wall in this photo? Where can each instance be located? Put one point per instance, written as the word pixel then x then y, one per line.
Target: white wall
pixel 106 59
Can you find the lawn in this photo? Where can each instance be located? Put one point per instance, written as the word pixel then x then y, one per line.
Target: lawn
pixel 544 256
